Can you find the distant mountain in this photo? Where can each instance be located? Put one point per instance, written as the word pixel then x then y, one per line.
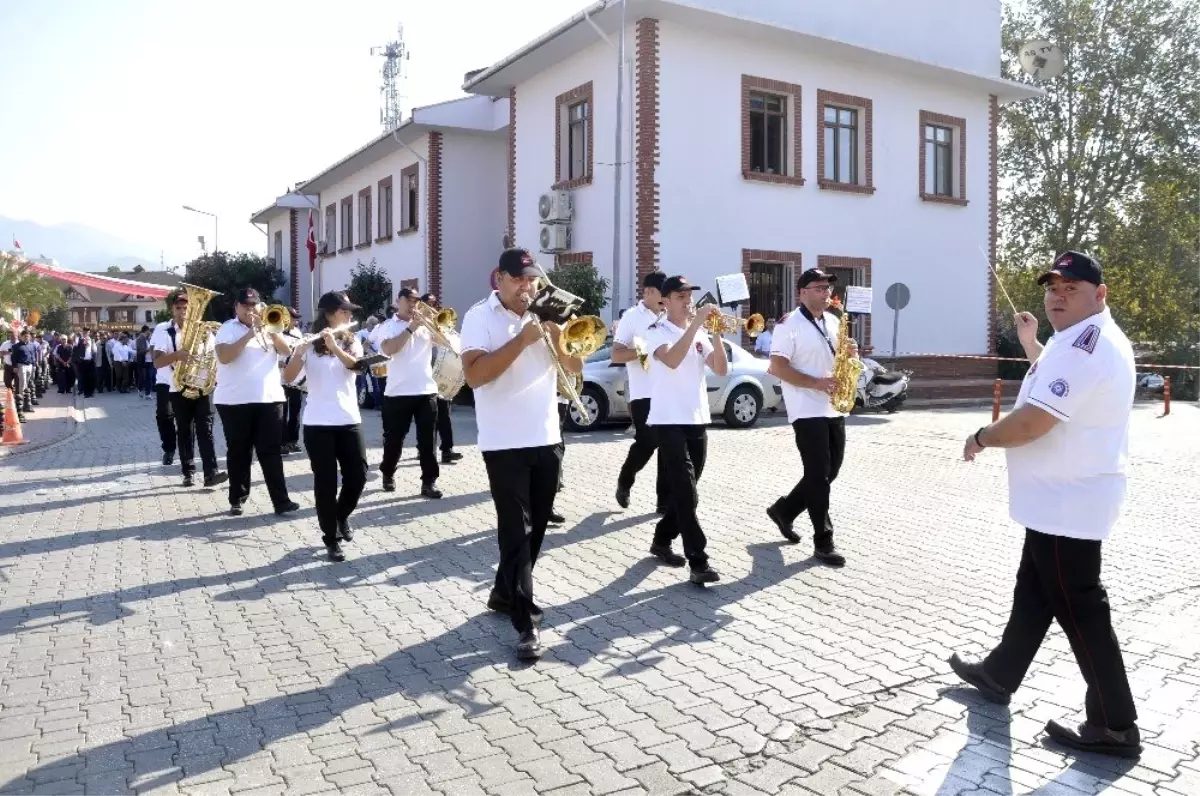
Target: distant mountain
pixel 75 246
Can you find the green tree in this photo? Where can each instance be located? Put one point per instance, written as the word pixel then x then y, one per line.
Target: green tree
pixel 229 273
pixel 114 269
pixel 23 288
pixel 370 288
pixel 139 268
pixel 584 281
pixel 56 319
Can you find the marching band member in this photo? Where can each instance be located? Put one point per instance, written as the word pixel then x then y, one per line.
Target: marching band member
pixel 632 328
pixel 293 395
pixel 445 430
pixel 679 413
pixel 1067 442
pixel 410 392
pixel 247 396
pixel 513 374
pixel 193 417
pixel 802 356
pixel 332 423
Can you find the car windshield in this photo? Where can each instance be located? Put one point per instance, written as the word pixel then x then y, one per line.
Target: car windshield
pixel 601 354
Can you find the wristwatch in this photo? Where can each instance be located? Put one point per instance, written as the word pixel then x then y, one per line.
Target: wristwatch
pixel 977 440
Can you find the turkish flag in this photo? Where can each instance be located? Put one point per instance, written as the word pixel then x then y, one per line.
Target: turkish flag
pixel 16 244
pixel 312 244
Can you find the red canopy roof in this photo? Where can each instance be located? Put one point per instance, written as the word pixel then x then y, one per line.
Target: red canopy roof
pixel 101 282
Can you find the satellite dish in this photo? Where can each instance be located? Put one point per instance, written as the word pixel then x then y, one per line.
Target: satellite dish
pixel 1041 59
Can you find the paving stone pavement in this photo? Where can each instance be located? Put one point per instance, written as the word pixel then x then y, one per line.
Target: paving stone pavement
pixel 149 643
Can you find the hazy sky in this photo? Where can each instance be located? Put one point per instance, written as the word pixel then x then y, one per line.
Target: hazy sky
pixel 117 112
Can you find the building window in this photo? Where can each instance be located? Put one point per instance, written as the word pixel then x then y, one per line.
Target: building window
pixel 385 208
pixel 573 137
pixel 943 167
pixel 768 133
pixel 844 147
pixel 841 145
pixel 330 229
pixel 771 289
pixel 277 252
pixel 364 217
pixel 149 316
pixel 850 271
pixel 410 204
pixel 347 224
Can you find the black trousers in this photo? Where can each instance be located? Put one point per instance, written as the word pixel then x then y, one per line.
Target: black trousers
pixel 445 430
pixel 10 377
pixel 398 414
pixel 330 449
pixel 104 376
pixel 291 414
pixel 682 451
pixel 645 442
pixel 562 441
pixel 1059 579
pixel 194 422
pixel 253 429
pixel 66 378
pixel 822 445
pixel 164 415
pixel 523 483
pixel 87 377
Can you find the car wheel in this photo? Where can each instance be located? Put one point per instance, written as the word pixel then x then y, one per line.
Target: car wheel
pixel 594 401
pixel 742 407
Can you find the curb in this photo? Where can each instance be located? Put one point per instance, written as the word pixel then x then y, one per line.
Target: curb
pixel 76 421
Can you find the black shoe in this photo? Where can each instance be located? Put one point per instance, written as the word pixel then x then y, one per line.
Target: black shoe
pixel 389 484
pixel 334 549
pixel 189 479
pixel 168 459
pixel 785 528
pixel 430 490
pixel 236 510
pixel 665 554
pixel 623 497
pixel 702 576
pixel 499 603
pixel 972 673
pixel 556 518
pixel 529 647
pixel 1094 738
pixel 660 509
pixel 345 531
pixel 450 457
pixel 288 507
pixel 829 555
pixel 212 479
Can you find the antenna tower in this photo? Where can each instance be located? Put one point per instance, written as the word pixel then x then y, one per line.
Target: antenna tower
pixel 395 54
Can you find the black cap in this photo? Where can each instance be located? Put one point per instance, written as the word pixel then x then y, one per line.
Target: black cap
pixel 427 298
pixel 248 295
pixel 518 262
pixel 392 310
pixel 293 312
pixel 815 275
pixel 676 284
pixel 180 296
pixel 655 280
pixel 336 301
pixel 1074 265
pixel 406 292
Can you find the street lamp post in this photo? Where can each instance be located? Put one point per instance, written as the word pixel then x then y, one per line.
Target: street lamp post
pixel 216 226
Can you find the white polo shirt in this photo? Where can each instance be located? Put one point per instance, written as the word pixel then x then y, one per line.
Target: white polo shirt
pixel 6 347
pixel 409 370
pixel 332 394
pixel 161 341
pixel 678 396
pixel 519 408
pixel 633 327
pixel 1071 482
pixel 252 378
pixel 799 340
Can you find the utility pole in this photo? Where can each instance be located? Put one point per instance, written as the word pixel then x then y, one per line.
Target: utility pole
pixel 618 166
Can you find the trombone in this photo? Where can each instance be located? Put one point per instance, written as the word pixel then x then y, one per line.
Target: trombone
pixel 581 337
pixel 437 322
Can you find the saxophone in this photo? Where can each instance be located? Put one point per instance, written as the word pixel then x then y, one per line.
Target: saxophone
pixel 198 374
pixel 846 368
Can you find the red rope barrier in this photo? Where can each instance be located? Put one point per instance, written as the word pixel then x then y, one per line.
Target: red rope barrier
pixel 1166 395
pixel 1022 359
pixel 997 388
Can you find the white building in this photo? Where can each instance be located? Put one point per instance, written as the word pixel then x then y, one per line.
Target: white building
pixel 769 136
pixel 425 203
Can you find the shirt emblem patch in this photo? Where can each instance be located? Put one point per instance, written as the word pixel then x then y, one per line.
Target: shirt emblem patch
pixel 1060 388
pixel 1087 339
pixel 699 348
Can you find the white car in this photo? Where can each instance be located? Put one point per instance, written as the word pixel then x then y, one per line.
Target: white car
pixel 739 398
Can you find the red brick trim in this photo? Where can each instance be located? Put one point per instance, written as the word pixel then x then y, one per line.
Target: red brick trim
pixel 867 186
pixel 794 259
pixel 511 229
pixel 434 208
pixel 294 293
pixel 993 213
pixel 958 152
pixel 561 102
pixel 646 152
pixel 571 258
pixel 411 170
pixel 825 261
pixel 792 92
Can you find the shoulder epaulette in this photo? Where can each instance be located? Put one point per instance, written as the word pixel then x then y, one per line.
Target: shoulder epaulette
pixel 1087 339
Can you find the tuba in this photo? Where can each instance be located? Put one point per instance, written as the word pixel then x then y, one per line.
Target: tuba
pixel 846 368
pixel 197 375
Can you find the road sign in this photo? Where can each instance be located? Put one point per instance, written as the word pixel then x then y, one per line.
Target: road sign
pixel 897 297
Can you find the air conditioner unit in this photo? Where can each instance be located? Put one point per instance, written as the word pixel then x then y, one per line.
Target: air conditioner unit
pixel 324 247
pixel 555 238
pixel 555 207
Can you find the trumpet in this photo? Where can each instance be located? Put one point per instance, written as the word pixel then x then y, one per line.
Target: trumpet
pixel 437 322
pixel 275 319
pixel 720 323
pixel 345 328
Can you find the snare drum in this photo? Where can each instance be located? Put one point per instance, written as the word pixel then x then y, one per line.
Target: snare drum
pixel 448 371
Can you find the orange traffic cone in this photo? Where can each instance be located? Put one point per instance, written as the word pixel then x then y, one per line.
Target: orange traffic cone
pixel 12 428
